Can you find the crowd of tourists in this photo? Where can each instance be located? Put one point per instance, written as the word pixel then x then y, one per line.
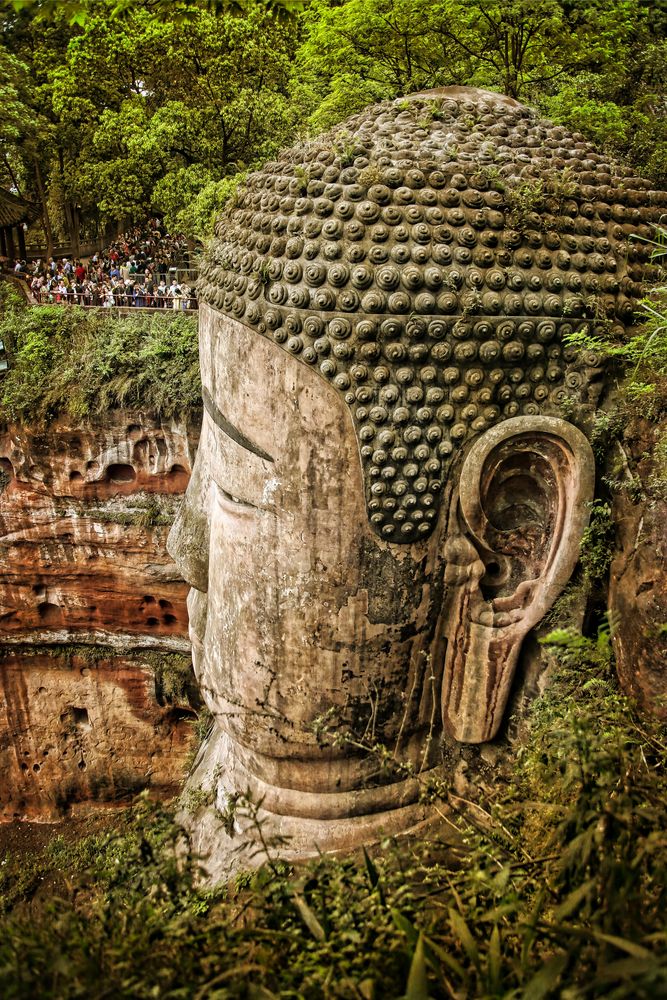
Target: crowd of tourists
pixel 144 267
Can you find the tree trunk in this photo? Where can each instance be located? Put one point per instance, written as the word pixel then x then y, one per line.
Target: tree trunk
pixel 46 221
pixel 72 225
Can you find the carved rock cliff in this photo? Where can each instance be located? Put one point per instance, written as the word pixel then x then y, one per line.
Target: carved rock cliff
pixel 94 669
pixel 638 583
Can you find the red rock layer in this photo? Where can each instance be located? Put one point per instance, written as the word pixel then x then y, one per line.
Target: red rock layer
pixel 74 732
pixel 84 515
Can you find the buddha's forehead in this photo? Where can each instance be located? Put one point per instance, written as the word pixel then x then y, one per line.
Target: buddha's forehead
pixel 429 259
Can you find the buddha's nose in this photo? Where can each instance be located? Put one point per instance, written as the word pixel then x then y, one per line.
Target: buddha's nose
pixel 188 541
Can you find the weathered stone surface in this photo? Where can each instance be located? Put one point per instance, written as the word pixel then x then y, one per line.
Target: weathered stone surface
pixel 638 580
pixel 83 519
pixel 300 611
pixel 84 513
pixel 80 729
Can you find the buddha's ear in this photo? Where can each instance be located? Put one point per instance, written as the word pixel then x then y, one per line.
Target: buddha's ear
pixel 513 542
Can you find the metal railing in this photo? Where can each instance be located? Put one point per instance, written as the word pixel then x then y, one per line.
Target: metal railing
pixel 155 304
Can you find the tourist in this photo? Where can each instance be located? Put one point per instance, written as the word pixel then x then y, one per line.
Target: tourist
pixel 139 269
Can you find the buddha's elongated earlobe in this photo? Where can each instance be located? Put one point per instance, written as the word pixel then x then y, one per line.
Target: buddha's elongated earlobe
pixel 520 512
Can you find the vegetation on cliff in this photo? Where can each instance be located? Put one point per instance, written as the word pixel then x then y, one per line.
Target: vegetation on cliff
pixel 82 363
pixel 558 888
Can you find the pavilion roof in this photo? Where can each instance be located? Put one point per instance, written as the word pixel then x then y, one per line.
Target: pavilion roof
pixel 14 210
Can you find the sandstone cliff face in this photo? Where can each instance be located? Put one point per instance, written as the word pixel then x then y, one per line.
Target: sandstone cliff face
pixel 638 583
pixel 92 612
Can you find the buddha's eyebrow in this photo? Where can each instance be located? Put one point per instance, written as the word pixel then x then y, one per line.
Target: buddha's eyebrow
pixel 232 432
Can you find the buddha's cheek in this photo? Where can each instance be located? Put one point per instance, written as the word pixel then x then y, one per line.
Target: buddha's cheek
pixel 286 629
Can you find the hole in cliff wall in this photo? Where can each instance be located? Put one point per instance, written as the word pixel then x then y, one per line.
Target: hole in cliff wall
pixel 178 475
pixel 39 590
pixel 121 473
pixel 165 604
pixel 152 621
pixel 169 619
pixel 180 714
pixel 6 473
pixel 148 599
pixel 134 429
pixel 75 477
pixel 80 717
pixel 50 614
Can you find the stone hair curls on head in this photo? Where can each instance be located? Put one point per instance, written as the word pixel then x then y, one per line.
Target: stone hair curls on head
pixel 428 261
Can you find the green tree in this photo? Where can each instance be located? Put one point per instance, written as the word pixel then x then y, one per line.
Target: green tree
pixel 599 66
pixel 134 103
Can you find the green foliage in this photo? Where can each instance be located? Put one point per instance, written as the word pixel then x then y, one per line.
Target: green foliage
pixel 597 543
pixel 641 358
pixel 115 110
pixel 600 68
pixel 86 362
pixel 157 510
pixel 191 199
pixel 109 115
pixel 612 855
pixel 174 679
pixel 11 300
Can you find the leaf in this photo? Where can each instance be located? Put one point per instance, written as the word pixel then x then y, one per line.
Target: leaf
pixel 417 987
pixel 501 879
pixel 627 968
pixel 309 918
pixel 636 950
pixel 493 961
pixel 530 931
pixel 462 931
pixel 574 900
pixel 492 916
pixel 578 850
pixel 545 979
pixel 373 876
pixel 433 951
pixel 403 924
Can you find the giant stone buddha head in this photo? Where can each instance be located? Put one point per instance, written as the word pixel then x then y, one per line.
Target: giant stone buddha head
pixel 391 485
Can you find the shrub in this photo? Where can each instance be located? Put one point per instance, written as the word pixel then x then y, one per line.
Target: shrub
pixel 82 363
